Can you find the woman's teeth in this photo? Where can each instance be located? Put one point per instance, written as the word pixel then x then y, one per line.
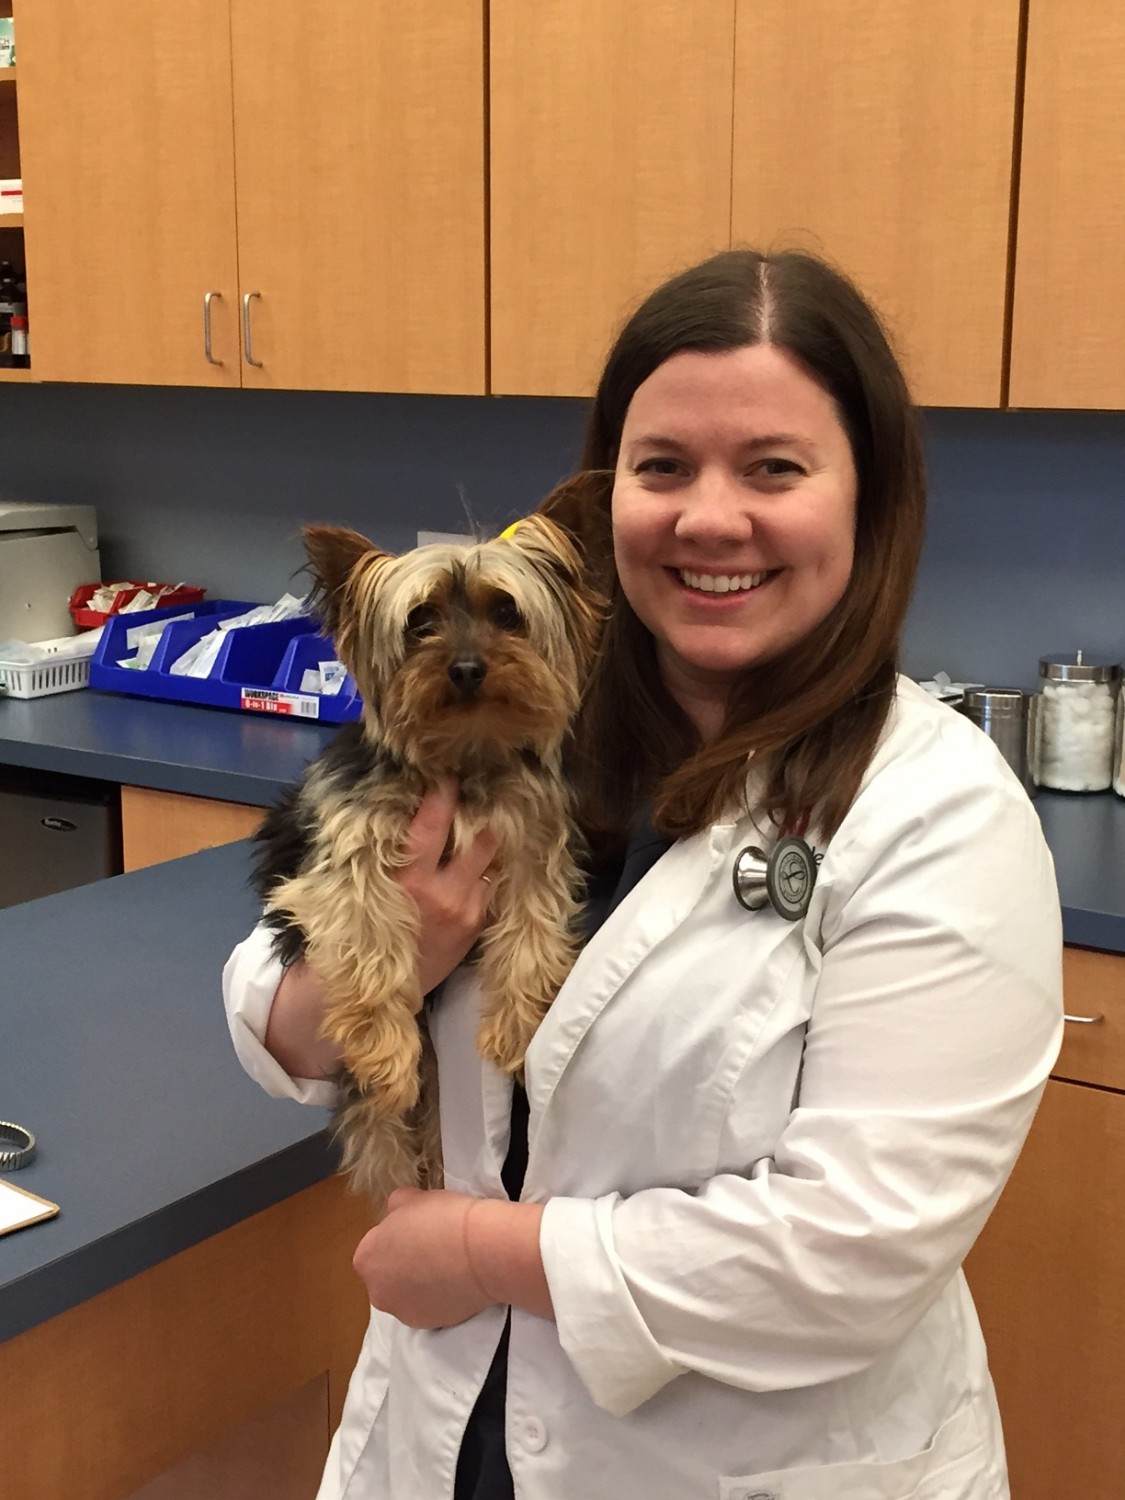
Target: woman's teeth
pixel 719 583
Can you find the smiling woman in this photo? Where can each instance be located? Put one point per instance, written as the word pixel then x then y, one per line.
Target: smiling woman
pixel 751 419
pixel 733 516
pixel 757 1138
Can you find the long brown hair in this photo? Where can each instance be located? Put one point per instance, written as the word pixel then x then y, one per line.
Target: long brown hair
pixel 811 716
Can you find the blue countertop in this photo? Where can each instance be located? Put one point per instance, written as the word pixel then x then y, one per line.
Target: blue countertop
pixel 116 1055
pixel 172 747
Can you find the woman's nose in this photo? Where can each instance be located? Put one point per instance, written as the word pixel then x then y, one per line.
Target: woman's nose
pixel 716 509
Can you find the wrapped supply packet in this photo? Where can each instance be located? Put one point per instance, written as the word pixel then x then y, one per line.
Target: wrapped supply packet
pixel 940 686
pixel 198 660
pixel 64 648
pixel 146 638
pixel 325 680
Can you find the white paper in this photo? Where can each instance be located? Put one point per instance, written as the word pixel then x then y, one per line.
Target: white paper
pixel 18 1208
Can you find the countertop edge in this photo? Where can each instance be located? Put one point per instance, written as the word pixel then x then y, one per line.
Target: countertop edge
pixel 75 1278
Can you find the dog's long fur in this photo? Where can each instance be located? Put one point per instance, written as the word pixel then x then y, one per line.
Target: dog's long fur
pixel 470 660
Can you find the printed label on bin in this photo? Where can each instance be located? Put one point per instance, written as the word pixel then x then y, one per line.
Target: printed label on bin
pixel 264 701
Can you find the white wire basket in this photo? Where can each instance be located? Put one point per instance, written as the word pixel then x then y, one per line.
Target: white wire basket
pixel 39 679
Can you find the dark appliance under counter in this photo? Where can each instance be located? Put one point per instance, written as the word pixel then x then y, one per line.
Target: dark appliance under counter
pixel 56 832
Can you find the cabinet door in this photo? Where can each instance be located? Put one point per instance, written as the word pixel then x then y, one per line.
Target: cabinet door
pixel 610 170
pixel 128 166
pixel 878 133
pixel 359 131
pixel 1046 1278
pixel 1068 323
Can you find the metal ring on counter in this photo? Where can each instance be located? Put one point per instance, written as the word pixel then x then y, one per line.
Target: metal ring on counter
pixel 17 1147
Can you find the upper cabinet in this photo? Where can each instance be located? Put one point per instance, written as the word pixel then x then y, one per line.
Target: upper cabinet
pixel 611 159
pixel 879 133
pixel 460 196
pixel 225 192
pixel 1068 327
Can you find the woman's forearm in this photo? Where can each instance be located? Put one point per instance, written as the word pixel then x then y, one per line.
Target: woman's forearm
pixel 293 1034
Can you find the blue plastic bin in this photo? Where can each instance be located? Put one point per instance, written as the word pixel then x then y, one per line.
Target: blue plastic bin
pixel 258 669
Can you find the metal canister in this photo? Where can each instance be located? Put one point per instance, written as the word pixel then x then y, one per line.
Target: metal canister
pixel 1008 717
pixel 1077 734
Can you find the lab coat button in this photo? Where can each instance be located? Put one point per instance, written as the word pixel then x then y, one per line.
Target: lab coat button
pixel 534 1435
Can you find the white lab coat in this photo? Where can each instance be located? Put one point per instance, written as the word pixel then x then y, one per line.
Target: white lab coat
pixel 764 1148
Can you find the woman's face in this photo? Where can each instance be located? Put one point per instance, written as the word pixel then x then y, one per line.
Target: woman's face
pixel 733 515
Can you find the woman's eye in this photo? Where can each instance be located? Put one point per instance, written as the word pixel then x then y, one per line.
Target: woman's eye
pixel 663 468
pixel 778 468
pixel 421 623
pixel 504 613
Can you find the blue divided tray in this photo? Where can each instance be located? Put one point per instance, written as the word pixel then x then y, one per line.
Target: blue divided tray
pixel 259 667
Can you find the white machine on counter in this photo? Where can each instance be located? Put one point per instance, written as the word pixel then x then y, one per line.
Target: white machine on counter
pixel 46 551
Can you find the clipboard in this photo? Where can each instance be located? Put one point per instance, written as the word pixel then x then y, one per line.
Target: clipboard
pixel 19 1208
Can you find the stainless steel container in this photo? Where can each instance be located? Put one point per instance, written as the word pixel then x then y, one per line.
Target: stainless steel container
pixel 1010 718
pixel 1077 734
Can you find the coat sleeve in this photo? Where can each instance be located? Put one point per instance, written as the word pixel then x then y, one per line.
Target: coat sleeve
pixel 250 979
pixel 936 1017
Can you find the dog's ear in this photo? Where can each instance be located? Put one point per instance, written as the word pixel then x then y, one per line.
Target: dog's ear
pixel 333 553
pixel 582 605
pixel 581 507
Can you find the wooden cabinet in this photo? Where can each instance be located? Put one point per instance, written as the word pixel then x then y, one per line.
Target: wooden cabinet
pixel 881 137
pixel 879 134
pixel 1046 1273
pixel 220 1372
pixel 156 826
pixel 326 165
pixel 1068 325
pixel 610 169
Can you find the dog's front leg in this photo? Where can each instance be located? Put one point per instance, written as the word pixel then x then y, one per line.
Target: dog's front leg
pixel 362 941
pixel 526 953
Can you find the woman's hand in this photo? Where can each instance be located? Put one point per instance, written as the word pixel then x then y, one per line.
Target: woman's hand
pixel 452 897
pixel 438 1258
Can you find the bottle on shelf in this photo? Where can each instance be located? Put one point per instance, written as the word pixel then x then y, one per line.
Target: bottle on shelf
pixel 8 292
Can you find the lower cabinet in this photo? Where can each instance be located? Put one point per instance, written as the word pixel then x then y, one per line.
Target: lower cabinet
pixel 1048 1272
pixel 156 826
pixel 217 1374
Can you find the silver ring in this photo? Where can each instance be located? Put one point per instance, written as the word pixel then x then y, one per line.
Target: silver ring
pixel 17 1147
pixel 487 879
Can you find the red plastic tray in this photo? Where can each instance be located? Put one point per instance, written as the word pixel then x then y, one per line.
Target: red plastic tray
pixel 90 619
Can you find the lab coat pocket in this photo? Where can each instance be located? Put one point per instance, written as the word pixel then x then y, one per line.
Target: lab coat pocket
pixel 955 1466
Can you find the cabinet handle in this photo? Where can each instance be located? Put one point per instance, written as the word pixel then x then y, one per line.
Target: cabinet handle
pixel 1084 1020
pixel 250 360
pixel 208 298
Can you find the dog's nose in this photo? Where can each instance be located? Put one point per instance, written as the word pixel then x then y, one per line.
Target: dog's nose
pixel 467 674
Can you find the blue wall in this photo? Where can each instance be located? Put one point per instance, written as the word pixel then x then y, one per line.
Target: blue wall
pixel 1025 554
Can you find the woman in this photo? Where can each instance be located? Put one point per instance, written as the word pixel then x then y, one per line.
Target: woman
pixel 761 1143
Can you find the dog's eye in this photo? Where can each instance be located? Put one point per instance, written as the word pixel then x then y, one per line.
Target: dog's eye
pixel 421 623
pixel 504 613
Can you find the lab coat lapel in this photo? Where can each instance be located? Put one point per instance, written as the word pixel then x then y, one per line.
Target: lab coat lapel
pixel 657 905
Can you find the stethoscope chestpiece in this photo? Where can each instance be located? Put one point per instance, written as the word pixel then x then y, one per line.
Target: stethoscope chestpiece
pixel 783 879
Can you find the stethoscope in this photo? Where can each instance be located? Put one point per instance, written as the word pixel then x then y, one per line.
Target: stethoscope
pixel 783 879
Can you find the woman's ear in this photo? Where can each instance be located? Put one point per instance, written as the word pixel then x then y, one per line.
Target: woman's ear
pixel 333 553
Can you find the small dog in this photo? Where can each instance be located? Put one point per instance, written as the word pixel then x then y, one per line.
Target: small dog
pixel 470 660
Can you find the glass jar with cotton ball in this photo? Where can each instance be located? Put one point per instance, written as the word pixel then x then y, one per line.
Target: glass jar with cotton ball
pixel 1077 723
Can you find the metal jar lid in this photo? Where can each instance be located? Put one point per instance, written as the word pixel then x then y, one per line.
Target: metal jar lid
pixel 995 703
pixel 1074 668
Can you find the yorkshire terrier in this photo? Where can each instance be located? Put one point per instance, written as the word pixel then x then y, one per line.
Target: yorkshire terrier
pixel 470 660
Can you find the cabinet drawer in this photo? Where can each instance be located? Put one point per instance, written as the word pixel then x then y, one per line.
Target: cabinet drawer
pixel 1093 1051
